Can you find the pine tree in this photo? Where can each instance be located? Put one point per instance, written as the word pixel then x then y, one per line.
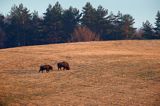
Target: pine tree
pixel 53 23
pixel 108 27
pixel 37 29
pixel 95 19
pixel 19 27
pixel 89 16
pixel 148 30
pixel 71 18
pixel 127 26
pixel 1 20
pixel 2 33
pixel 113 27
pixel 117 27
pixel 101 20
pixel 157 25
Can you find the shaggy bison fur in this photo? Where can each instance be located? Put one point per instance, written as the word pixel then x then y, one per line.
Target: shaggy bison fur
pixel 63 65
pixel 45 67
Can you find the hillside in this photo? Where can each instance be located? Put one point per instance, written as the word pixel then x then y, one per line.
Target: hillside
pixel 112 73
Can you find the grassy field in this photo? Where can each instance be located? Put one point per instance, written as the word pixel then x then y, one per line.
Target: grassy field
pixel 113 73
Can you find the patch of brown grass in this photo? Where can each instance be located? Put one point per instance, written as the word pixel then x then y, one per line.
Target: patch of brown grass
pixel 102 73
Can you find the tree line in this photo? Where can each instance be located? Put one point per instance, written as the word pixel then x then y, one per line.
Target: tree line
pixel 57 25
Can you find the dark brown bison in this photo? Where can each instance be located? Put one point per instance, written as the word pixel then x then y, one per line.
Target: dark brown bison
pixel 45 67
pixel 63 65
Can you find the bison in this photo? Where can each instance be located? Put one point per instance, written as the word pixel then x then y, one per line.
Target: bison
pixel 45 67
pixel 63 65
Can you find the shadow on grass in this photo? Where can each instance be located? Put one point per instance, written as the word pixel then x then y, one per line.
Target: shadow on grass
pixel 6 101
pixel 149 75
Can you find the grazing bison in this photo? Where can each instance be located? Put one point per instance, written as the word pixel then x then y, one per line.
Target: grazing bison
pixel 45 67
pixel 63 65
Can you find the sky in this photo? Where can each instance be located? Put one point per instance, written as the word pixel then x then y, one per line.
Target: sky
pixel 141 10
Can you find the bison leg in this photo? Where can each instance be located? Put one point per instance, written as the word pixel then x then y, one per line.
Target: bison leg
pixel 40 71
pixel 60 68
pixel 47 70
pixel 63 68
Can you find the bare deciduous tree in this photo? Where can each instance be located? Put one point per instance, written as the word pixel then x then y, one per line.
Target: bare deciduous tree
pixel 82 33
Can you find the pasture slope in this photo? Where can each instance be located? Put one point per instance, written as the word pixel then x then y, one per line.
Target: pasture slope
pixel 111 73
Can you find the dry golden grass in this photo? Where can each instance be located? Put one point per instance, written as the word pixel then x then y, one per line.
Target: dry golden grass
pixel 113 73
